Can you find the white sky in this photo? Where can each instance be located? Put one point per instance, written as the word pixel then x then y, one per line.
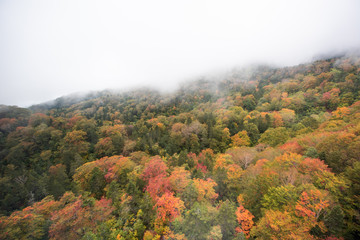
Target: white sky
pixel 53 48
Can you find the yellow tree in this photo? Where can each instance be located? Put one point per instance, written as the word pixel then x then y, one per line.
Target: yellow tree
pixel 240 139
pixel 205 189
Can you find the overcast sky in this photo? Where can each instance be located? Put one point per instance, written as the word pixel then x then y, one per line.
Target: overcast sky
pixel 54 48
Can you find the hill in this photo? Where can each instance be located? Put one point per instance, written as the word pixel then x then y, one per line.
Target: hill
pixel 261 153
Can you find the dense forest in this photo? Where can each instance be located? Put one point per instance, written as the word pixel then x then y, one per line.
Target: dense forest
pixel 258 153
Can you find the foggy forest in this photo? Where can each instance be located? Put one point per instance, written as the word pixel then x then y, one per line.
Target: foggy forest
pixel 266 153
pixel 186 120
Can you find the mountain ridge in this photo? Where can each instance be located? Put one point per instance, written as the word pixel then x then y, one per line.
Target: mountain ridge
pixel 231 155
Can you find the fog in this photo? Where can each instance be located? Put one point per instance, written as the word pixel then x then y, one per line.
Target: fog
pixel 54 48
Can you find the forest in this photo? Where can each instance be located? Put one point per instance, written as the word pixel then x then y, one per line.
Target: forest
pixel 258 153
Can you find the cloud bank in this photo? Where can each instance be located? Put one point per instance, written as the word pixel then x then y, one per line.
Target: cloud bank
pixel 53 48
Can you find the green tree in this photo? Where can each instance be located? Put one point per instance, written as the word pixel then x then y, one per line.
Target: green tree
pixel 275 136
pixel 226 219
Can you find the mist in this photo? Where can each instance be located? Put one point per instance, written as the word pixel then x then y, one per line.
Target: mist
pixel 53 48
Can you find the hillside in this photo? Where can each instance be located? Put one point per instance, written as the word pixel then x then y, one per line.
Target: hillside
pixel 256 153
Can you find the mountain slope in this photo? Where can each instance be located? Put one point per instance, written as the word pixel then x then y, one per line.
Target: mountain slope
pixel 256 153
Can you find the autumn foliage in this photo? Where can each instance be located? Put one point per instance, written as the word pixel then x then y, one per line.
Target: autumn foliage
pixel 260 153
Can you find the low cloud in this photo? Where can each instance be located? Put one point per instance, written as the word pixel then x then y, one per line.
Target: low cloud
pixel 53 48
